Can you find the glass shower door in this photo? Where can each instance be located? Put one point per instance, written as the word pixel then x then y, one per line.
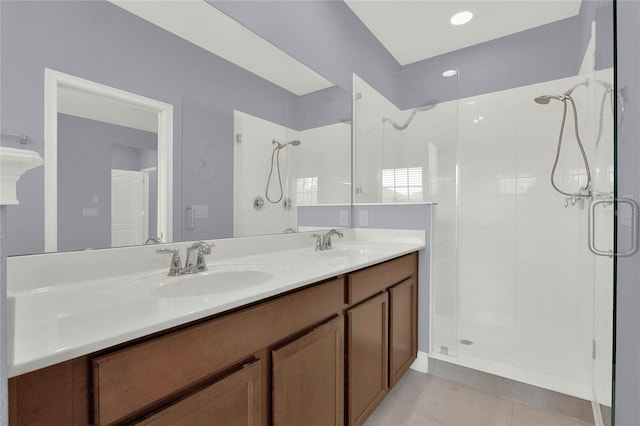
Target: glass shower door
pixel 602 209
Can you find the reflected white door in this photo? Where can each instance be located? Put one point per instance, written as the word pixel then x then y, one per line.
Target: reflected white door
pixel 129 202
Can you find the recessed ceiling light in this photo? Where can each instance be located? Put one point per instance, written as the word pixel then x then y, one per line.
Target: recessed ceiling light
pixel 449 73
pixel 461 18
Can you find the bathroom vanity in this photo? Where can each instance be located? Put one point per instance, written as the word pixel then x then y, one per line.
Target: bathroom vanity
pixel 326 352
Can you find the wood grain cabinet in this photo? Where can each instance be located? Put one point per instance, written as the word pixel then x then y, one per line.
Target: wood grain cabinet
pixel 322 355
pixel 403 328
pixel 308 378
pixel 234 400
pixel 382 333
pixel 367 352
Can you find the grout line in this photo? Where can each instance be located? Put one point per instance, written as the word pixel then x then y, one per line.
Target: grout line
pixel 513 411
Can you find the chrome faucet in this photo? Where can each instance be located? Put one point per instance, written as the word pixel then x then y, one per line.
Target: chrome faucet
pixel 195 257
pixel 327 238
pixel 323 242
pixel 195 261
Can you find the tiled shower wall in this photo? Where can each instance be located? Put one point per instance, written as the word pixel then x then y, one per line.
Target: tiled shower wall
pixel 507 252
pixel 522 253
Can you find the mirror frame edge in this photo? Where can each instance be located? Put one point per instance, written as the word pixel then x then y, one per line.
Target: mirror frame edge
pixel 52 80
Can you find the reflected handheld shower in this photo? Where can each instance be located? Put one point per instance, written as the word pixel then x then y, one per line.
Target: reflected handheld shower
pixel 545 99
pixel 276 153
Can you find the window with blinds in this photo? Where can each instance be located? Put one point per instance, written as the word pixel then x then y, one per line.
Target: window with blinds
pixel 307 190
pixel 402 185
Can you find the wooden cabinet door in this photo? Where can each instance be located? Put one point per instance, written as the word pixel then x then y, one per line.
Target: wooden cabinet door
pixel 308 378
pixel 234 400
pixel 367 355
pixel 403 328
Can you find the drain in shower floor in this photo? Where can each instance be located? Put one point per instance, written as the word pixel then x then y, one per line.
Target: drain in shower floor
pixel 466 342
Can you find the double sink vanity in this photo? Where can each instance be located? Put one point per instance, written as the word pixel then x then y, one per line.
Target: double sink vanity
pixel 277 330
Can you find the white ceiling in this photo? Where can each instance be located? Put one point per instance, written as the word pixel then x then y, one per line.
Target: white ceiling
pixel 413 30
pixel 207 27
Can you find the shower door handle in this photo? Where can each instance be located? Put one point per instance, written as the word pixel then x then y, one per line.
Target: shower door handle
pixel 634 227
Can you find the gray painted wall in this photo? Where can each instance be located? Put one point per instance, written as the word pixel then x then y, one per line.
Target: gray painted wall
pixel 324 35
pixel 208 137
pixel 544 53
pixel 322 216
pixel 329 38
pixel 327 106
pixel 627 354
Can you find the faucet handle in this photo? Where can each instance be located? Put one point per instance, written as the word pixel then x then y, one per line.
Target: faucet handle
pixel 319 241
pixel 205 248
pixel 176 263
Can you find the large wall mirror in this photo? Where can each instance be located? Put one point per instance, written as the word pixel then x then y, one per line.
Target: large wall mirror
pixel 108 166
pixel 167 120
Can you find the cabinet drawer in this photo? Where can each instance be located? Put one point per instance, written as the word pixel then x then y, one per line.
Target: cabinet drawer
pixel 367 282
pixel 235 400
pixel 135 380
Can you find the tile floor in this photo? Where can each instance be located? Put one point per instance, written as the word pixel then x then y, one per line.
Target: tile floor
pixel 425 400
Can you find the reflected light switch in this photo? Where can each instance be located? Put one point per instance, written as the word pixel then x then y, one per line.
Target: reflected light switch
pixel 344 217
pixel 201 212
pixel 364 218
pixel 89 212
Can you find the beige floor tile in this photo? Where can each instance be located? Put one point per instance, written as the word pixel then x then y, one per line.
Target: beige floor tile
pixel 408 390
pixel 454 404
pixel 388 414
pixel 525 415
pixel 417 420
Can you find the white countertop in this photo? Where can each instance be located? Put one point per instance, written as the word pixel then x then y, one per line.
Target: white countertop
pixel 54 323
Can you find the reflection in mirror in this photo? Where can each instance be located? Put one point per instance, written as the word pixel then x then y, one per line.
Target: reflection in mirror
pixel 295 177
pixel 110 185
pixel 209 82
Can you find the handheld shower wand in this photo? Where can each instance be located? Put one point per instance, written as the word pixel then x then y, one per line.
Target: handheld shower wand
pixel 276 153
pixel 564 98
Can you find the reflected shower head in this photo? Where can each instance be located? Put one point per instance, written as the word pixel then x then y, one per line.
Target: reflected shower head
pixel 282 145
pixel 427 107
pixel 545 99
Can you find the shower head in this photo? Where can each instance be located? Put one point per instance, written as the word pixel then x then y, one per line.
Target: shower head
pixel 427 107
pixel 545 99
pixel 282 145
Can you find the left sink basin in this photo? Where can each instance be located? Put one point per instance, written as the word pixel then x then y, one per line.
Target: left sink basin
pixel 218 279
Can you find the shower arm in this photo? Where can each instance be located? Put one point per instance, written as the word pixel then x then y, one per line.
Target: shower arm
pixel 410 118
